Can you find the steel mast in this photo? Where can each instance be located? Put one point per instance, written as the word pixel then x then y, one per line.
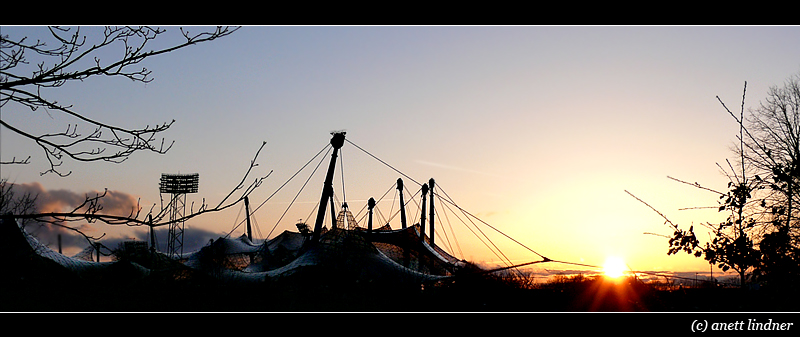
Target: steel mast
pixel 327 190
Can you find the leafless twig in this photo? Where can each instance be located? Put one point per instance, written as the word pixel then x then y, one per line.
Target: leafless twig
pixel 24 84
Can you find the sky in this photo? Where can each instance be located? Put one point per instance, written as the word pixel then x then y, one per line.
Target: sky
pixel 538 131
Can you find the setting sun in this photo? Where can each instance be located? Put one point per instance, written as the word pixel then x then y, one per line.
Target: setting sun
pixel 614 267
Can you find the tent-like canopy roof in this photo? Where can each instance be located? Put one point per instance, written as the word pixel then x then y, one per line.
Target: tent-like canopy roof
pixel 391 255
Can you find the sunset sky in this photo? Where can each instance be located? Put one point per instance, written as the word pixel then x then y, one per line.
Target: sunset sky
pixel 536 130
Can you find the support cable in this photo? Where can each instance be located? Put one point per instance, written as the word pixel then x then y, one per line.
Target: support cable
pixel 282 186
pixel 494 250
pixel 313 210
pixel 447 238
pixel 383 162
pixel 490 226
pixel 380 216
pixel 341 169
pixel 394 200
pixel 414 200
pixel 237 219
pixel 379 199
pixel 406 205
pixel 257 228
pixel 476 226
pixel 392 212
pixel 448 201
pixel 297 195
pixel 514 266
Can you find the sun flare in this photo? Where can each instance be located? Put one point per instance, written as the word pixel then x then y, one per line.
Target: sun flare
pixel 614 267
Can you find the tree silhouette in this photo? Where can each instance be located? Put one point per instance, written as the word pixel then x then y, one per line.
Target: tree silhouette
pixel 761 233
pixel 14 203
pixel 731 246
pixel 772 146
pixel 29 68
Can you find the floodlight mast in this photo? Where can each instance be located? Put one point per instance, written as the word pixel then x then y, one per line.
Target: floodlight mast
pixel 177 185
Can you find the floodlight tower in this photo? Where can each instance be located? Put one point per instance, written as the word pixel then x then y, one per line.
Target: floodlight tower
pixel 177 185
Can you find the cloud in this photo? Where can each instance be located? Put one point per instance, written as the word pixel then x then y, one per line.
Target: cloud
pixel 62 200
pixel 114 202
pixel 193 238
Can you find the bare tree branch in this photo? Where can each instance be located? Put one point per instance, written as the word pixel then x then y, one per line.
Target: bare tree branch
pixel 22 83
pixel 75 58
pixel 667 220
pixel 91 208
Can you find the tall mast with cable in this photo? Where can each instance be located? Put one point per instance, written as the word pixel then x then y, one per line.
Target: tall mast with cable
pixel 402 203
pixel 371 205
pixel 327 190
pixel 431 183
pixel 247 214
pixel 422 216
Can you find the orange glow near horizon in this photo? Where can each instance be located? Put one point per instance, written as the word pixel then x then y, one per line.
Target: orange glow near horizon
pixel 614 267
pixel 534 164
